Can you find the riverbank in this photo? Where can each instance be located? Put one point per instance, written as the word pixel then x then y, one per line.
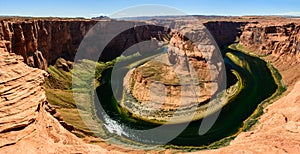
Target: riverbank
pixel 277 129
pixel 249 123
pixel 243 104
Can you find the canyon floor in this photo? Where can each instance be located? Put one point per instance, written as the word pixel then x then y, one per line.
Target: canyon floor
pixel 29 124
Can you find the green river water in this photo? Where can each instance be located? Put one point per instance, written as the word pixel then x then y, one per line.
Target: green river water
pixel 256 84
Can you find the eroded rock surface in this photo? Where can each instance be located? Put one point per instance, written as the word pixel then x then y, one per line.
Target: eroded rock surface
pixel 280 40
pixel 42 41
pixel 278 130
pixel 225 32
pixel 174 85
pixel 26 123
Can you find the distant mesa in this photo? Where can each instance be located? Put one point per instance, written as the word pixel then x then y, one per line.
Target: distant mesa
pixel 101 18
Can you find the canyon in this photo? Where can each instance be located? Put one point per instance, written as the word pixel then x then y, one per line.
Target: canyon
pixel 27 124
pixel 159 84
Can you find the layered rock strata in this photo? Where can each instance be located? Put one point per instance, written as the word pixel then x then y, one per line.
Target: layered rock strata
pixel 177 84
pixel 41 42
pixel 278 130
pixel 225 32
pixel 26 121
pixel 280 40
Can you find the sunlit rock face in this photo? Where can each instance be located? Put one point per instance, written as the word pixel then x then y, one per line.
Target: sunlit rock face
pixel 41 41
pixel 28 123
pixel 280 40
pixel 172 86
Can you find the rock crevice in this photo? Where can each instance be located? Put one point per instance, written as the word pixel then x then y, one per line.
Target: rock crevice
pixel 278 40
pixel 41 42
pixel 26 123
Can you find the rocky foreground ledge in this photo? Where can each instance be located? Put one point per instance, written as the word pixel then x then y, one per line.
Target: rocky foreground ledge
pixel 26 121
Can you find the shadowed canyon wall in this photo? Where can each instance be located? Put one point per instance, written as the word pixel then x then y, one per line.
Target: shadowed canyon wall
pixel 42 41
pixel 225 32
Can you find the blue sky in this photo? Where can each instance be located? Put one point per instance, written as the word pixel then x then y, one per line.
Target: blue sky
pixel 91 8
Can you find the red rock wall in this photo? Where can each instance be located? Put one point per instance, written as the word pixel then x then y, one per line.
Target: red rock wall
pixel 28 123
pixel 41 42
pixel 281 40
pixel 225 32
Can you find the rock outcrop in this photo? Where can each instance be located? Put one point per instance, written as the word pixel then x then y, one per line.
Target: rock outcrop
pixel 278 130
pixel 281 40
pixel 225 32
pixel 42 41
pixel 26 121
pixel 21 92
pixel 174 85
pixel 138 33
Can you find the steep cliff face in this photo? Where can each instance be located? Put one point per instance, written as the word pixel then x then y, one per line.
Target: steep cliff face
pixel 181 80
pixel 225 32
pixel 277 132
pixel 279 40
pixel 132 36
pixel 41 42
pixel 27 124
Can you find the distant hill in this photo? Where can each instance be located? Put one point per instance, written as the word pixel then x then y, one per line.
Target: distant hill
pixel 101 18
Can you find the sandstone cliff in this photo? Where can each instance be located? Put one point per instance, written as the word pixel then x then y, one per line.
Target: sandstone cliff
pixel 41 41
pixel 26 126
pixel 278 130
pixel 225 32
pixel 182 80
pixel 281 40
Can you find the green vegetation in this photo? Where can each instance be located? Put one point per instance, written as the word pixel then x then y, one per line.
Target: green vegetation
pixel 253 119
pixel 257 80
pixel 255 84
pixel 60 94
pixel 81 81
pixel 58 79
pixel 241 48
pixel 157 71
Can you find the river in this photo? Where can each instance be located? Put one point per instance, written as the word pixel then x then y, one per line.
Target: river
pixel 256 84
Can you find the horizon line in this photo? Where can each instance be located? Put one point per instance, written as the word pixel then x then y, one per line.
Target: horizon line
pixel 207 15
